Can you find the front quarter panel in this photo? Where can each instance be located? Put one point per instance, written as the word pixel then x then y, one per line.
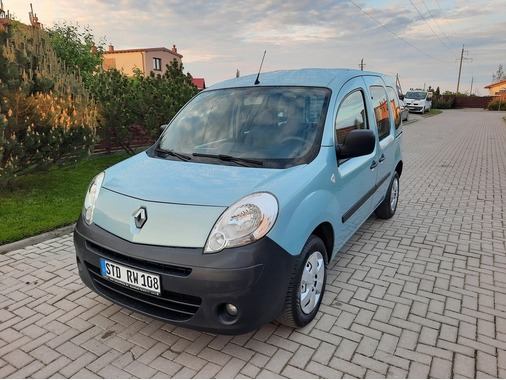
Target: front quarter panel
pixel 306 201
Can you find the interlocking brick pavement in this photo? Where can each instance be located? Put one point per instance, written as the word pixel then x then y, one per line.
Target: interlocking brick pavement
pixel 420 295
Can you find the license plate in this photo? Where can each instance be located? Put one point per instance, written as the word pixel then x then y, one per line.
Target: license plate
pixel 133 278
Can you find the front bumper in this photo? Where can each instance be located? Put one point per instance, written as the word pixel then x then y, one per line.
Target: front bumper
pixel 415 108
pixel 195 286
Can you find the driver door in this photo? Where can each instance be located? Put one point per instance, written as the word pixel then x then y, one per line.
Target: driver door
pixel 355 177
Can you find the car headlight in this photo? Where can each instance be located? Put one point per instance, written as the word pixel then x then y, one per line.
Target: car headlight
pixel 91 197
pixel 246 221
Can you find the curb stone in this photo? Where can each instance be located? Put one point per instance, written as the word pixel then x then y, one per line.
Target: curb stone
pixel 36 239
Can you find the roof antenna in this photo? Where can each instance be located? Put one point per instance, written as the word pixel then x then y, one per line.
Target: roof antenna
pixel 260 69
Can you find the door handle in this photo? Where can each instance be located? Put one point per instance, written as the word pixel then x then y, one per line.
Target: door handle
pixel 374 164
pixel 382 158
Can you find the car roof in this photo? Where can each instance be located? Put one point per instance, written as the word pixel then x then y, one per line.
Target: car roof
pixel 299 77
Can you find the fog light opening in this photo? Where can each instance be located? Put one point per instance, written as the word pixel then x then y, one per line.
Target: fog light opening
pixel 231 309
pixel 228 313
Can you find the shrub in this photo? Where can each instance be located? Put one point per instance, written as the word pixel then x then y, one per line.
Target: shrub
pixel 46 115
pixel 498 104
pixel 42 130
pixel 130 107
pixel 443 102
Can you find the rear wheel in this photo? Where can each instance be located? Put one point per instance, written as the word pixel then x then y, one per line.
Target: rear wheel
pixel 387 208
pixel 307 285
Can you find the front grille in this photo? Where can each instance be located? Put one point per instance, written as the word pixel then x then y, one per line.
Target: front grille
pixel 172 270
pixel 168 306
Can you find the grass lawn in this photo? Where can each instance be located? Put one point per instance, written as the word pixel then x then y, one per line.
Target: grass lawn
pixel 432 112
pixel 41 202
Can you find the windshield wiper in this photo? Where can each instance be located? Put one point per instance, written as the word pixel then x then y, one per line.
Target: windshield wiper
pixel 225 157
pixel 166 152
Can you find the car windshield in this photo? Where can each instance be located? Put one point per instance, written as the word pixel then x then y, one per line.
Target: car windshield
pixel 417 95
pixel 274 127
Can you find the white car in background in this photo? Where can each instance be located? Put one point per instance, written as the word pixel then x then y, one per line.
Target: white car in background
pixel 418 100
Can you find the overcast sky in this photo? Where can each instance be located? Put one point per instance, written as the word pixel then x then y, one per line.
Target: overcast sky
pixel 420 40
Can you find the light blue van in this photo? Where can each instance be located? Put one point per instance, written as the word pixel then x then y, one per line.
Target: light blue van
pixel 230 219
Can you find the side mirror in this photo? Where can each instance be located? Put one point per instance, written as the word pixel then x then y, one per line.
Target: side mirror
pixel 358 142
pixel 163 127
pixel 401 97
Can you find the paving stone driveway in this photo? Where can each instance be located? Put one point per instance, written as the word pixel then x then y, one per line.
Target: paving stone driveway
pixel 420 295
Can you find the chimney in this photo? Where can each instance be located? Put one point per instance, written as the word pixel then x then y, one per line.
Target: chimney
pixel 174 49
pixel 111 48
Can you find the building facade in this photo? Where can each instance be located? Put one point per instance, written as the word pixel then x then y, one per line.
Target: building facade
pixel 145 60
pixel 498 88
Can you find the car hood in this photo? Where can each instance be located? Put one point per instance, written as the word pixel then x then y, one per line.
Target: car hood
pixel 181 200
pixel 187 183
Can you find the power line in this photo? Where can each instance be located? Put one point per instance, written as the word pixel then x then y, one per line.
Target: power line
pixel 484 52
pixel 396 35
pixel 427 23
pixel 431 15
pixel 446 18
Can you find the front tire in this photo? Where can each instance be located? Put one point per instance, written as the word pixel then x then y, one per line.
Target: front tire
pixel 387 208
pixel 307 285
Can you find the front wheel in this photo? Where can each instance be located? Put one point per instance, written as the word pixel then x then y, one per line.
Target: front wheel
pixel 387 208
pixel 307 285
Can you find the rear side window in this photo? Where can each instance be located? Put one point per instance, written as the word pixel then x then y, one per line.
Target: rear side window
pixel 351 115
pixel 380 104
pixel 396 108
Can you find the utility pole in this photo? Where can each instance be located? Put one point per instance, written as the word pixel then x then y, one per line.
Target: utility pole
pixel 361 64
pixel 471 91
pixel 460 67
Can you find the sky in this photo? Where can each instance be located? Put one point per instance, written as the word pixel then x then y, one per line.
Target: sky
pixel 421 41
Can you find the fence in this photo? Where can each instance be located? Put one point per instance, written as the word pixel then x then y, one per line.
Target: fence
pixel 464 101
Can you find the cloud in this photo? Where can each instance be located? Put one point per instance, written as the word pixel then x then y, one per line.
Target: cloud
pixel 218 37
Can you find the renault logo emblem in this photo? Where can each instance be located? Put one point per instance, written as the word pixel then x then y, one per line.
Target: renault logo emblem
pixel 140 217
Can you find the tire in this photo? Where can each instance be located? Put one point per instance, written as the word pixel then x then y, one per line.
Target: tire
pixel 307 285
pixel 387 208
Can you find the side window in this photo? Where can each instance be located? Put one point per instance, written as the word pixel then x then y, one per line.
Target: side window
pixel 396 108
pixel 351 115
pixel 380 104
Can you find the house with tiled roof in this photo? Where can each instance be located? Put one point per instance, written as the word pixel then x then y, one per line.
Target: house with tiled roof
pixel 497 88
pixel 199 82
pixel 146 60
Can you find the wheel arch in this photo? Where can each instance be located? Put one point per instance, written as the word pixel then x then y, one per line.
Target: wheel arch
pixel 399 167
pixel 326 233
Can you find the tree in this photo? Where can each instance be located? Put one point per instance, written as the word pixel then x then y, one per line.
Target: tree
pixel 77 48
pixel 499 75
pixel 46 115
pixel 112 90
pixel 130 107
